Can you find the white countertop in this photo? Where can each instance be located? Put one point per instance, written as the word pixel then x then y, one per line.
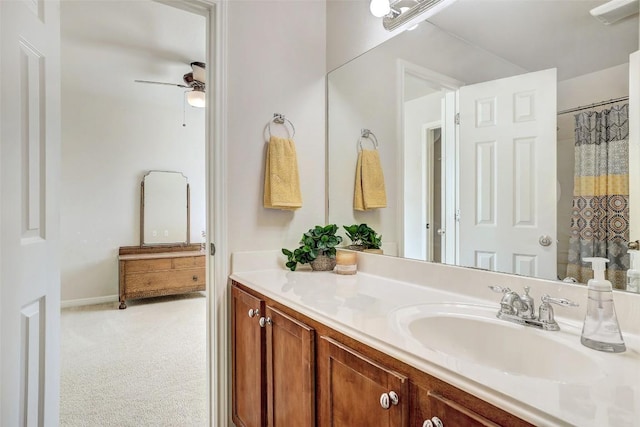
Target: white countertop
pixel 363 306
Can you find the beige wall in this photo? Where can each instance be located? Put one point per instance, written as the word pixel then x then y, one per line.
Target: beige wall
pixel 276 63
pixel 115 130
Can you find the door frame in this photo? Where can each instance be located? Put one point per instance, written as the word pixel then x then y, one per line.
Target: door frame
pixel 218 300
pixel 445 84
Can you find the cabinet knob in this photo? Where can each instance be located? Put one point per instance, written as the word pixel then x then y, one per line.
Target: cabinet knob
pixel 433 422
pixel 195 278
pixel 384 401
pixel 253 312
pixel 388 399
pixel 394 398
pixel 265 321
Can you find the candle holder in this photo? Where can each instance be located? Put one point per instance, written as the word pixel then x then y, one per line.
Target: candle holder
pixel 346 262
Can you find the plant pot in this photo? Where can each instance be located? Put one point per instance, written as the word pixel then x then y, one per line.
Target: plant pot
pixel 374 251
pixel 355 247
pixel 323 263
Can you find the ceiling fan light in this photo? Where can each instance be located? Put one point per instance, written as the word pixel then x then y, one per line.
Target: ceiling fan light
pixel 196 98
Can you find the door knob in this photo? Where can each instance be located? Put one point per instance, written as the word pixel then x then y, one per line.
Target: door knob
pixel 545 240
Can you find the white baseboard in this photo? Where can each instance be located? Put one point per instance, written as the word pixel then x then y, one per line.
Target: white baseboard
pixel 88 301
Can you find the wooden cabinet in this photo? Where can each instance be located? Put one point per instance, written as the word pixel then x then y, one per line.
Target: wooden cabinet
pixel 273 366
pixel 274 369
pixel 354 390
pixel 160 270
pixel 248 360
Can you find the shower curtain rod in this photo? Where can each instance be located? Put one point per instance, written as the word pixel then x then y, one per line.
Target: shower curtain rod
pixel 597 104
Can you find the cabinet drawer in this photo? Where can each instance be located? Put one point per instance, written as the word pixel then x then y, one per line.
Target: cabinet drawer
pixel 144 265
pixel 162 280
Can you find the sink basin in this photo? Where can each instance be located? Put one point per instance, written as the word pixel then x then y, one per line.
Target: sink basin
pixel 472 333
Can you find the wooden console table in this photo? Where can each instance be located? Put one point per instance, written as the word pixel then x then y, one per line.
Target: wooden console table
pixel 160 270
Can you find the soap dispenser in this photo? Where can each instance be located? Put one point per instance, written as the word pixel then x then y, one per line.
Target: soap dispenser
pixel 633 273
pixel 601 330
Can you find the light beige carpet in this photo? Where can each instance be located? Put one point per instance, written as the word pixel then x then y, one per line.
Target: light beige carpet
pixel 143 366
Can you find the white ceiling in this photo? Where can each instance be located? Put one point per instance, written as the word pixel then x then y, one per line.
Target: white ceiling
pixel 106 44
pixel 540 34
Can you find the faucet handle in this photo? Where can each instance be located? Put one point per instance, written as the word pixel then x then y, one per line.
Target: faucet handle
pixel 560 301
pixel 545 313
pixel 499 289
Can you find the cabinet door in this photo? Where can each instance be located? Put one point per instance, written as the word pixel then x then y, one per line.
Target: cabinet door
pixel 354 389
pixel 290 371
pixel 248 362
pixel 427 404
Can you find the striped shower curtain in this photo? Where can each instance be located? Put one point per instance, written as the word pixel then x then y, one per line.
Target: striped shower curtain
pixel 600 213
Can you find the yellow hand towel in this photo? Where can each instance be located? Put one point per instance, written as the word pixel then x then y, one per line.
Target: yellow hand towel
pixel 358 202
pixel 370 191
pixel 281 178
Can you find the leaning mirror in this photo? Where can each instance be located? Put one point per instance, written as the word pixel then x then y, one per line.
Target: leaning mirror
pixel 164 210
pixel 486 117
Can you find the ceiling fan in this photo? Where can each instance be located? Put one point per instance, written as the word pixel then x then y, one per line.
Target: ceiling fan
pixel 195 80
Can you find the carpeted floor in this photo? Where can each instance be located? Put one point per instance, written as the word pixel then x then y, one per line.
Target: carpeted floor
pixel 143 366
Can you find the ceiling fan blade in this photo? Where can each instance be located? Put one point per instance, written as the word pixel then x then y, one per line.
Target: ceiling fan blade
pixel 192 82
pixel 199 72
pixel 161 83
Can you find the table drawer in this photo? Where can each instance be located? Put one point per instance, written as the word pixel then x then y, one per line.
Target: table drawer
pixel 177 280
pixel 188 262
pixel 144 265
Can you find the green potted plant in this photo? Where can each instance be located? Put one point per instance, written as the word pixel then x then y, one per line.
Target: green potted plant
pixel 317 247
pixel 363 237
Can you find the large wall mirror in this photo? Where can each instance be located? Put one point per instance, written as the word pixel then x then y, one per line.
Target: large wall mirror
pixel 492 119
pixel 164 210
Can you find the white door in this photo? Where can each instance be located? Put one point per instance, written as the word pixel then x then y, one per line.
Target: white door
pixel 507 175
pixel 634 146
pixel 29 231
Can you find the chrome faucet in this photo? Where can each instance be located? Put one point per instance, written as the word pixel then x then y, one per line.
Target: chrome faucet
pixel 520 309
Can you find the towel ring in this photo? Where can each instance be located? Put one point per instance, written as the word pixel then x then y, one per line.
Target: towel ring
pixel 280 119
pixel 367 134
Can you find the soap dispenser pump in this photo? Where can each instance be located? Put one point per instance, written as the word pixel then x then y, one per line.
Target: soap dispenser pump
pixel 633 273
pixel 601 330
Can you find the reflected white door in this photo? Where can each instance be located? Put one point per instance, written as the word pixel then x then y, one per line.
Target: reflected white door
pixel 507 173
pixel 29 231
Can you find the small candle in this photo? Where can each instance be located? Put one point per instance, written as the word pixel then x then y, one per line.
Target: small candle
pixel 346 262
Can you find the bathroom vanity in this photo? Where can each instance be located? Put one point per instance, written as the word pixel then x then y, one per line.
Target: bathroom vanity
pixel 411 347
pixel 306 371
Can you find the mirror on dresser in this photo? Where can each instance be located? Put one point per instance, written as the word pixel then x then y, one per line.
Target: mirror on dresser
pixel 443 192
pixel 164 209
pixel 165 263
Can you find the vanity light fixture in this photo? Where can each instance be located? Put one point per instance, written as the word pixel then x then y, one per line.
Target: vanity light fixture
pixel 615 10
pixel 379 8
pixel 403 11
